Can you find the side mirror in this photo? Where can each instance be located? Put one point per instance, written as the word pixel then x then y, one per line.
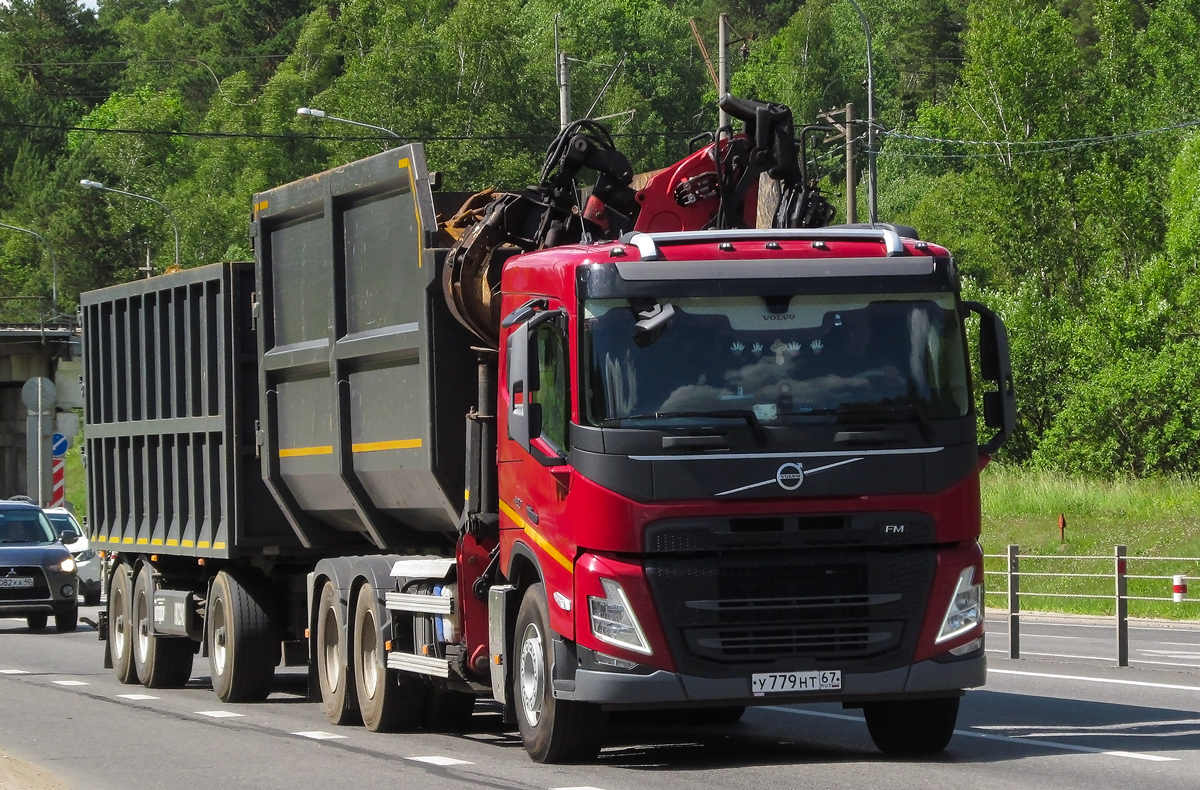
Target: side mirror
pixel 995 365
pixel 68 536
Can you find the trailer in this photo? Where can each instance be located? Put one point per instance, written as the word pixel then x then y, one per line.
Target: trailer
pixel 572 460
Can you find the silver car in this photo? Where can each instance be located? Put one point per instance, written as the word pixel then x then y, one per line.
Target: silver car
pixel 37 573
pixel 86 560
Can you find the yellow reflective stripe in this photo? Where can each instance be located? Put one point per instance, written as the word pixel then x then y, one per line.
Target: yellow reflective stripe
pixel 297 452
pixel 101 539
pixel 537 538
pixel 218 545
pixel 156 541
pixel 395 444
pixel 187 544
pixel 127 540
pixel 202 544
pixel 143 541
pixel 172 542
pixel 412 186
pixel 260 206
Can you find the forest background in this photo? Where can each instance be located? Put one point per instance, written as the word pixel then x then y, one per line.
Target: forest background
pixel 1052 146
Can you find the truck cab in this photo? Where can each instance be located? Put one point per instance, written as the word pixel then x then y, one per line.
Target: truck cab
pixel 744 466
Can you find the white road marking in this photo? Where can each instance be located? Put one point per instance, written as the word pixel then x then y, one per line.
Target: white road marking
pixel 1181 644
pixel 13 672
pixel 318 735
pixel 1049 636
pixel 1066 747
pixel 1086 679
pixel 1097 658
pixel 436 760
pixel 584 787
pixel 70 682
pixel 136 697
pixel 219 714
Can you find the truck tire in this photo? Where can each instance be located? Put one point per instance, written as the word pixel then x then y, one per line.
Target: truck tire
pixel 389 701
pixel 918 726
pixel 36 622
pixel 162 663
pixel 337 692
pixel 242 651
pixel 67 620
pixel 121 626
pixel 553 730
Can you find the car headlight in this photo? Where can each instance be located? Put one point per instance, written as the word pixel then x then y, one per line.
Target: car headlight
pixel 67 565
pixel 85 555
pixel 613 620
pixel 966 607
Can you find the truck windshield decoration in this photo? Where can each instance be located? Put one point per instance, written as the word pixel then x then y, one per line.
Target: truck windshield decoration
pixel 782 359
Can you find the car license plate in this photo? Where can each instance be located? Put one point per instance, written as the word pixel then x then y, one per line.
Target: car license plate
pixel 793 682
pixel 17 582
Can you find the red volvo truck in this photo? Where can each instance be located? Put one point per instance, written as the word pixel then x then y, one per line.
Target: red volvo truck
pixel 633 454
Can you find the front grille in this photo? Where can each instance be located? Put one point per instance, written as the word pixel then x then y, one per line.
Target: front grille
pixel 38 592
pixel 841 608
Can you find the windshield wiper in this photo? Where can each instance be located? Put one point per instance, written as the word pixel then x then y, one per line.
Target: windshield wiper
pixel 911 409
pixel 760 433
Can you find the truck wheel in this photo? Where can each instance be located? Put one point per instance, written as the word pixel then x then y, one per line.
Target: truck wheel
pixel 389 701
pixel 121 626
pixel 916 726
pixel 337 697
pixel 67 620
pixel 451 711
pixel 242 653
pixel 161 663
pixel 36 622
pixel 553 730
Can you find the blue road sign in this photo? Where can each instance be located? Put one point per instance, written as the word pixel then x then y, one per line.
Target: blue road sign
pixel 59 444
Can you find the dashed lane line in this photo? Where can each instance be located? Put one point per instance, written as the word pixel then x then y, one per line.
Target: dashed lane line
pixel 219 714
pixel 438 760
pixel 1087 679
pixel 137 697
pixel 13 672
pixel 70 683
pixel 1098 658
pixel 1065 747
pixel 319 735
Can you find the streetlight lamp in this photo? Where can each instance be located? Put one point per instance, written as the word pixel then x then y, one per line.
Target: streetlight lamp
pixel 309 112
pixel 53 263
pixel 872 201
pixel 89 184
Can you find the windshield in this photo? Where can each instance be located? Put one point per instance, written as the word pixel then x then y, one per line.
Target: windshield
pixel 63 522
pixel 25 526
pixel 774 359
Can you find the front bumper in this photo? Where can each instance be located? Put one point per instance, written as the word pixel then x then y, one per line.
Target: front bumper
pixel 662 688
pixel 45 598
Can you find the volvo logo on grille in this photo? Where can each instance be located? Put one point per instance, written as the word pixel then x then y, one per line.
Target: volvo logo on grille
pixel 790 476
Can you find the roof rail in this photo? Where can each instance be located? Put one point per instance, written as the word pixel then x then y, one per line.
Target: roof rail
pixel 648 243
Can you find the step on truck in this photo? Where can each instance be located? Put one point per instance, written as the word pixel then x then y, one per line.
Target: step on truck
pixel 576 456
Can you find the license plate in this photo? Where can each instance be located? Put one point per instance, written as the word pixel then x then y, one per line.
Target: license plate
pixel 18 582
pixel 795 682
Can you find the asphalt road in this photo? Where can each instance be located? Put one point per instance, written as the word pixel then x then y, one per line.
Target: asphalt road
pixel 1043 721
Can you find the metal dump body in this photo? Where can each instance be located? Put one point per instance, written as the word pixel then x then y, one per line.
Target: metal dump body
pixel 171 400
pixel 365 376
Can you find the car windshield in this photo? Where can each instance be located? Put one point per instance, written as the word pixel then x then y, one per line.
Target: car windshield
pixel 25 526
pixel 785 359
pixel 63 522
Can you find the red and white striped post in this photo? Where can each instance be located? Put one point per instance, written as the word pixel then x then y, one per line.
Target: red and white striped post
pixel 58 489
pixel 1179 588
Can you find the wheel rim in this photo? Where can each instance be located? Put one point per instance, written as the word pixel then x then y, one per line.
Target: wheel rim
pixel 368 643
pixel 142 622
pixel 118 607
pixel 533 674
pixel 333 656
pixel 217 647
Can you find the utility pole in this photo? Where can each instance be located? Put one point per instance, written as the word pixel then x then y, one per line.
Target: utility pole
pixel 722 66
pixel 564 91
pixel 845 127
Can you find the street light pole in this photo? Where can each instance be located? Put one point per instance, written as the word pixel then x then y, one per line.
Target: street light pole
pixel 89 184
pixel 53 263
pixel 309 112
pixel 872 200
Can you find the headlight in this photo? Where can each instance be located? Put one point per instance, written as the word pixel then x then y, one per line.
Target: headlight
pixel 85 555
pixel 67 565
pixel 613 620
pixel 966 607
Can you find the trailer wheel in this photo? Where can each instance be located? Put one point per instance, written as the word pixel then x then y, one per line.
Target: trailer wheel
pixel 121 626
pixel 917 726
pixel 389 701
pixel 553 730
pixel 161 663
pixel 337 695
pixel 242 653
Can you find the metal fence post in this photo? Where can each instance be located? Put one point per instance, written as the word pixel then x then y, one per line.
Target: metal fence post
pixel 1122 591
pixel 1014 602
